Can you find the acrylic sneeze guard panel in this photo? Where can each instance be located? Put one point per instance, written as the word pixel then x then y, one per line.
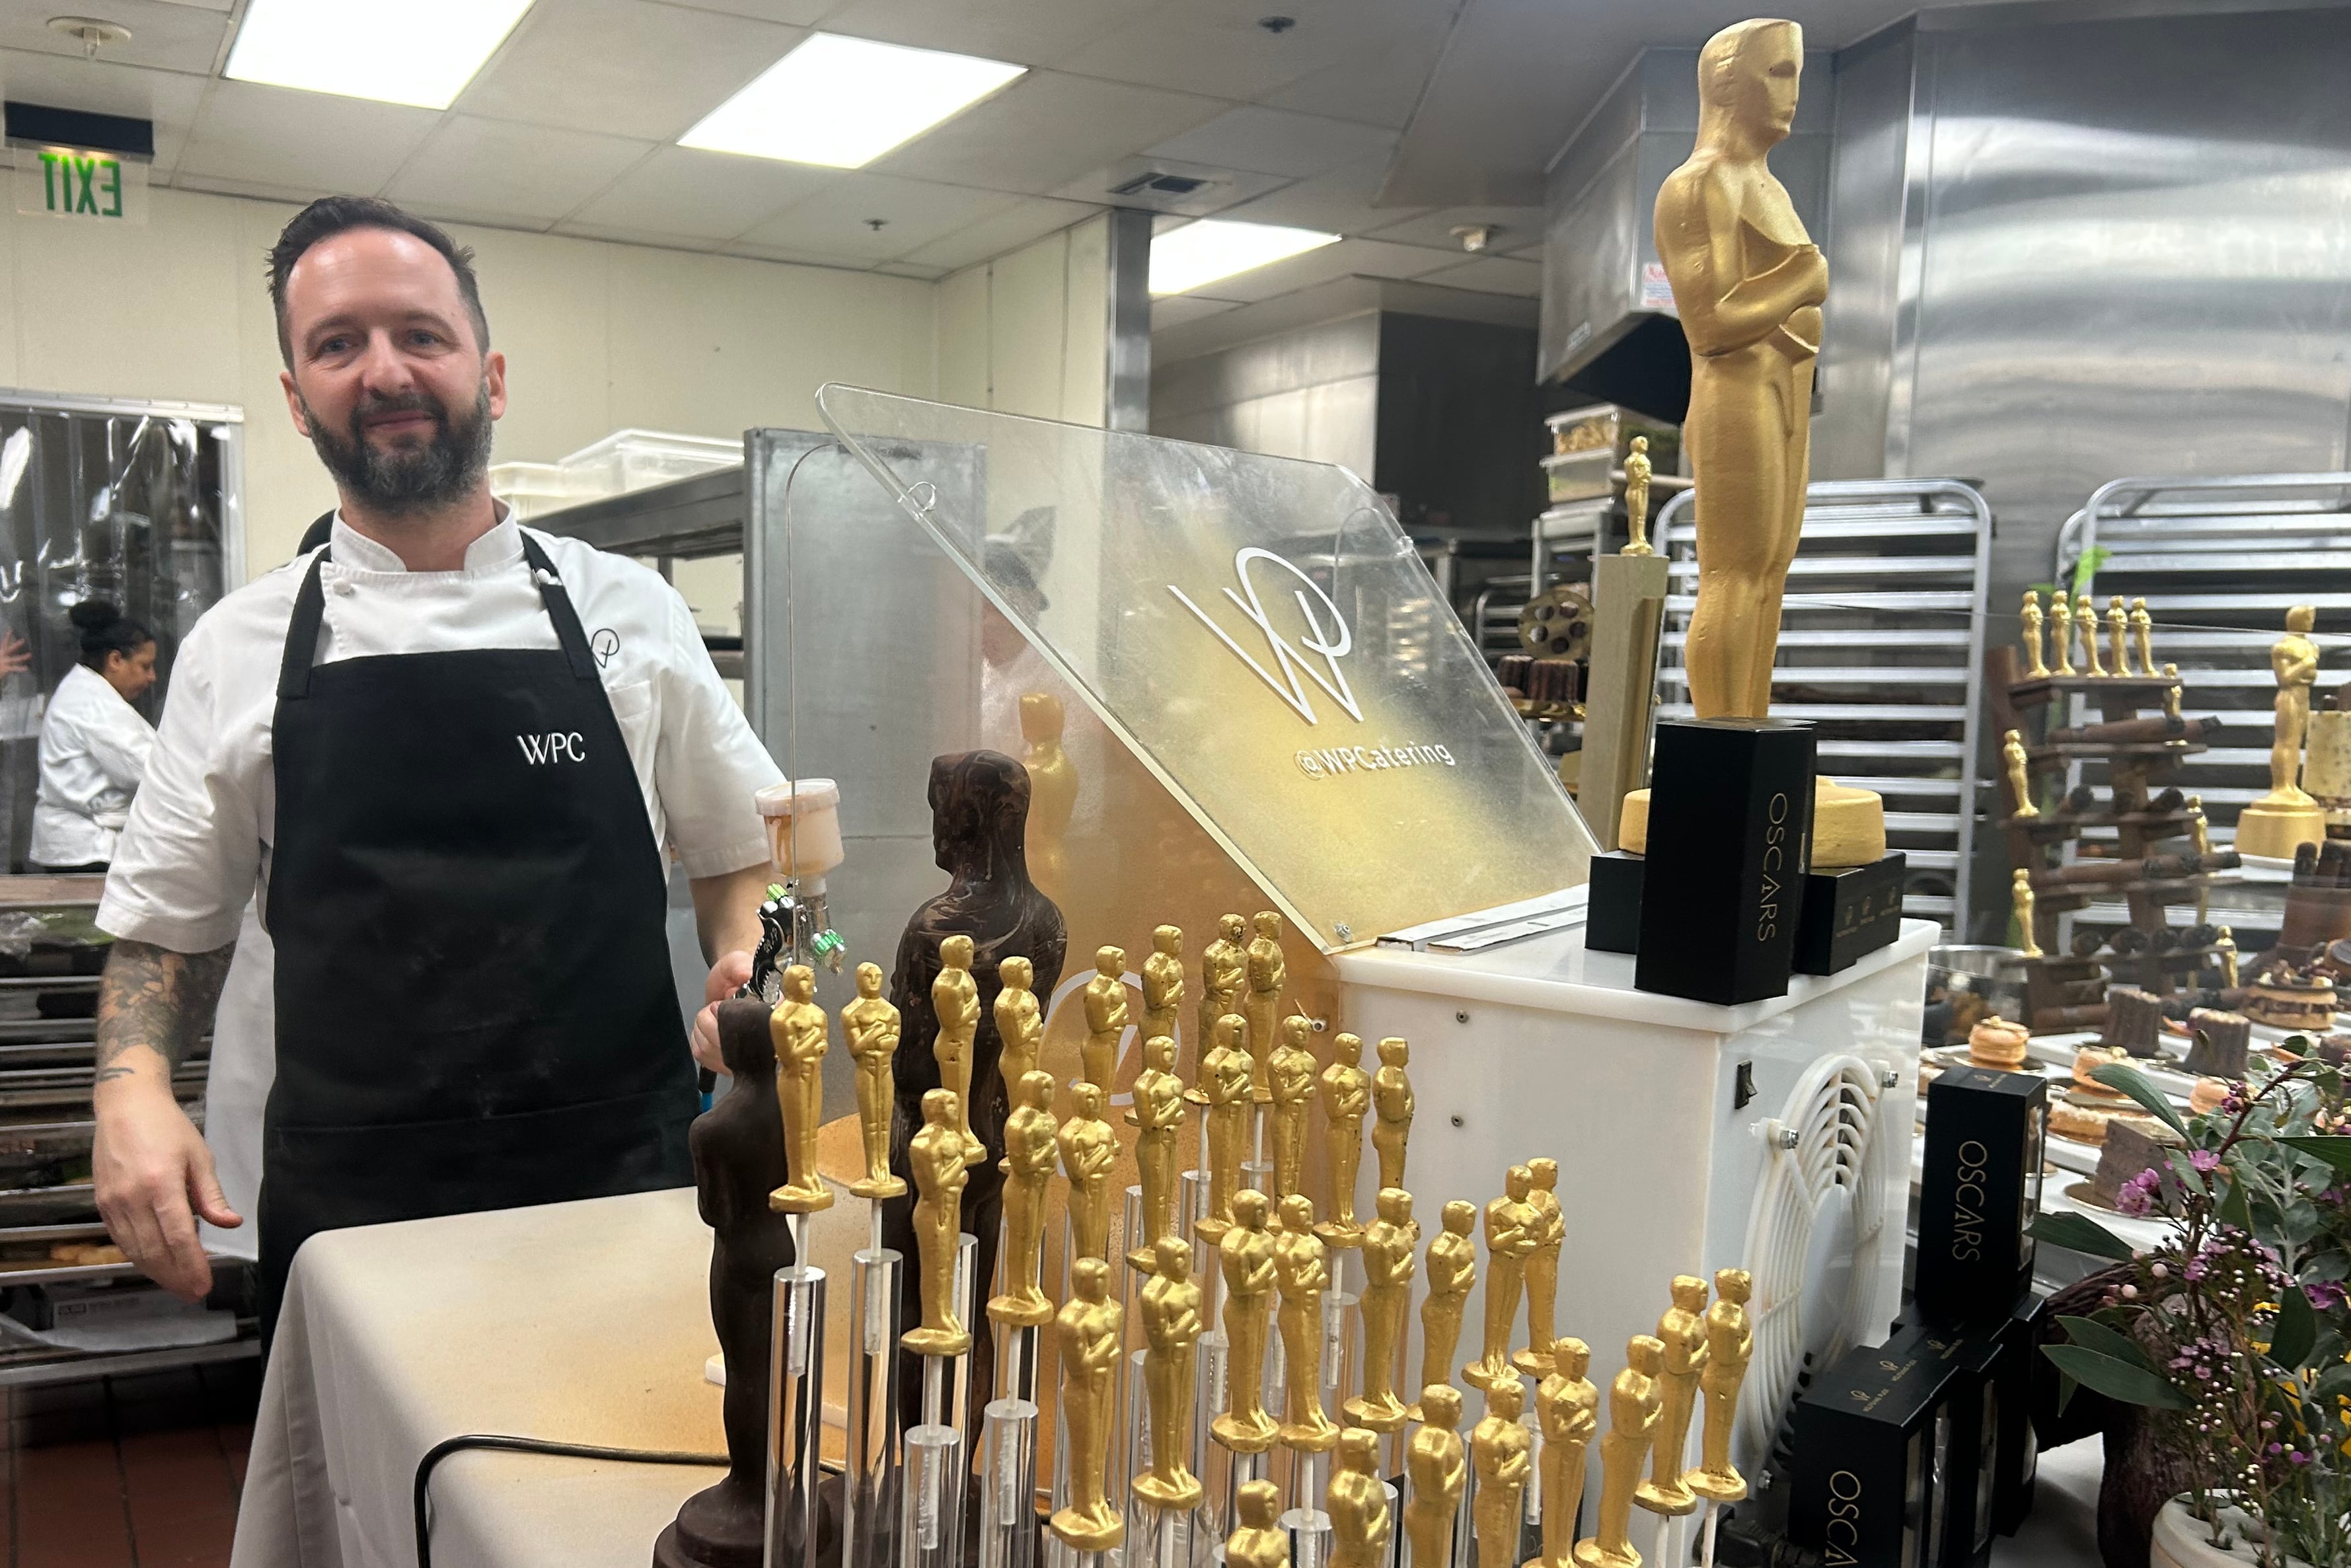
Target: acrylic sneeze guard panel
pixel 1262 636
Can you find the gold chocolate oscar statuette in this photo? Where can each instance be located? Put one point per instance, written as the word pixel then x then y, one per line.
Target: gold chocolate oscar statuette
pixel 1392 1108
pixel 1730 1343
pixel 1346 1099
pixel 1159 1111
pixel 1089 1150
pixel 2143 634
pixel 1028 1167
pixel 1105 1003
pixel 2020 776
pixel 1053 791
pixel 954 1000
pixel 1682 1330
pixel 1303 1272
pixel 1019 1023
pixel 2021 905
pixel 1452 1271
pixel 2060 631
pixel 2278 823
pixel 2172 694
pixel 1266 972
pixel 1357 1503
pixel 1636 497
pixel 1247 1252
pixel 1510 1236
pixel 1389 1264
pixel 1436 1470
pixel 1224 973
pixel 1633 1402
pixel 1162 984
pixel 1257 1542
pixel 1290 1077
pixel 2227 947
pixel 802 1035
pixel 1543 1266
pixel 1171 1327
pixel 2028 615
pixel 1088 1338
pixel 1568 1407
pixel 2086 621
pixel 936 1157
pixel 1225 1077
pixel 872 1026
pixel 2119 636
pixel 1503 1454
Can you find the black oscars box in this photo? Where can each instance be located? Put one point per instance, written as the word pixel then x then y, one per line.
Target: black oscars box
pixel 2020 1446
pixel 1869 1434
pixel 1730 819
pixel 1975 1397
pixel 1612 913
pixel 1849 913
pixel 1977 1193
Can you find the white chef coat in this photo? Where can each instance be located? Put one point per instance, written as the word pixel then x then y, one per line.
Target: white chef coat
pixel 196 847
pixel 94 747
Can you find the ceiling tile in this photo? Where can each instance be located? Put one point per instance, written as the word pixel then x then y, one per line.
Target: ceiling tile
pixel 1275 142
pixel 913 269
pixel 1045 130
pixel 1221 188
pixel 1178 309
pixel 1338 203
pixel 1031 219
pixel 656 238
pixel 690 194
pixel 838 221
pixel 1216 46
pixel 310 142
pixel 623 68
pixel 790 12
pixel 1348 258
pixel 174 38
pixel 1492 275
pixel 1030 32
pixel 1377 85
pixel 170 99
pixel 1515 228
pixel 494 171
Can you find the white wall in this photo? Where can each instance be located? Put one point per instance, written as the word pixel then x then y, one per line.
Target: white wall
pixel 598 336
pixel 1027 332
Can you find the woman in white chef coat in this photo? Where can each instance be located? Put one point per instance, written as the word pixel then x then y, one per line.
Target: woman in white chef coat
pixel 94 744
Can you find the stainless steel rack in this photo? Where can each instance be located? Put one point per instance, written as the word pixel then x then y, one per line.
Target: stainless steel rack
pixel 1880 646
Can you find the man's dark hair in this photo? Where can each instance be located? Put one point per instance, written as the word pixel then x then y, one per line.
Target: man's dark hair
pixel 330 215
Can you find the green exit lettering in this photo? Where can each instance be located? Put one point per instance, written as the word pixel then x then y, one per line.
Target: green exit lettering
pixel 82 184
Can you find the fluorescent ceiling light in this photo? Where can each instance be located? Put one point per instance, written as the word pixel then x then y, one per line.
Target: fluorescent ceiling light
pixel 843 102
pixel 421 52
pixel 1211 248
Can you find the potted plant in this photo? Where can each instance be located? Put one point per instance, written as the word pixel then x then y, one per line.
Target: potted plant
pixel 2234 1334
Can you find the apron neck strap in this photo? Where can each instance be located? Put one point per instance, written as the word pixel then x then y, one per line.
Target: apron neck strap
pixel 309 613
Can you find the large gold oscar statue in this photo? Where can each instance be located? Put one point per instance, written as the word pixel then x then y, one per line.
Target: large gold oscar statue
pixel 1289 1076
pixel 1503 1454
pixel 1357 1501
pixel 1246 1253
pixel 1020 1022
pixel 1266 972
pixel 2285 818
pixel 1088 1150
pixel 936 1156
pixel 1158 1112
pixel 1682 1330
pixel 1105 1002
pixel 1225 1077
pixel 1568 1407
pixel 1543 1266
pixel 873 1026
pixel 1730 1343
pixel 1162 984
pixel 1171 1327
pixel 1053 792
pixel 1633 1402
pixel 1028 1166
pixel 1301 1267
pixel 802 1035
pixel 1392 1108
pixel 955 1001
pixel 1346 1099
pixel 1510 1237
pixel 1389 1263
pixel 1748 285
pixel 1452 1271
pixel 1088 1338
pixel 1436 1471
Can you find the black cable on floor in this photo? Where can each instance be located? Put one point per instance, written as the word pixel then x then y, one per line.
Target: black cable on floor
pixel 442 1450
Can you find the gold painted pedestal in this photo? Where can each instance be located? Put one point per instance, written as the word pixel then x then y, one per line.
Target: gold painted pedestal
pixel 2279 823
pixel 1848 825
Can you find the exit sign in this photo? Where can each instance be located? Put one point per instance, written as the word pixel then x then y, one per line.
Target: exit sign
pixel 81 185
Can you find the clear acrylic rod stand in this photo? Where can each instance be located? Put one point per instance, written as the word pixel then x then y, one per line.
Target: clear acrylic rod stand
pixel 870 1514
pixel 930 1524
pixel 1008 1516
pixel 795 1417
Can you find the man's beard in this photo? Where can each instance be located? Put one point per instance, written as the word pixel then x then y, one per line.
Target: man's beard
pixel 404 482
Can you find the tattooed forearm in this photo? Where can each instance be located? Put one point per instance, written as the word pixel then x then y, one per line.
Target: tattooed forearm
pixel 152 1000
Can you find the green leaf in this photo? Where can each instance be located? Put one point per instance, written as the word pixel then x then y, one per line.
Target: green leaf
pixel 2296 1330
pixel 2334 1151
pixel 2082 1234
pixel 2086 570
pixel 2236 1207
pixel 2134 1082
pixel 2327 1352
pixel 2093 1335
pixel 2334 1382
pixel 2067 1388
pixel 2115 1379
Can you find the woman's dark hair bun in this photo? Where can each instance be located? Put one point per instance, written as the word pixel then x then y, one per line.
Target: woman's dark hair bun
pixel 106 629
pixel 94 614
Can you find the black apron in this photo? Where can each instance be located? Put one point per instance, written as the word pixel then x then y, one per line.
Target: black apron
pixel 474 1001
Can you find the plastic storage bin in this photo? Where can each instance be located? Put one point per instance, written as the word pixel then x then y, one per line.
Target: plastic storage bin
pixel 630 460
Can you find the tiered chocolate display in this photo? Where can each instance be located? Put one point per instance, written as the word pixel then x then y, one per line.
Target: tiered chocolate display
pixel 2162 860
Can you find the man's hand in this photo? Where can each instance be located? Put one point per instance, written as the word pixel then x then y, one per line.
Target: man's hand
pixel 729 976
pixel 155 1178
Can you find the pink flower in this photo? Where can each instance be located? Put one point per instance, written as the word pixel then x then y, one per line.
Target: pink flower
pixel 2204 1160
pixel 2325 1294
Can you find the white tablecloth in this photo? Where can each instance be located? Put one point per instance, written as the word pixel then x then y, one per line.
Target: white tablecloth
pixel 584 1322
